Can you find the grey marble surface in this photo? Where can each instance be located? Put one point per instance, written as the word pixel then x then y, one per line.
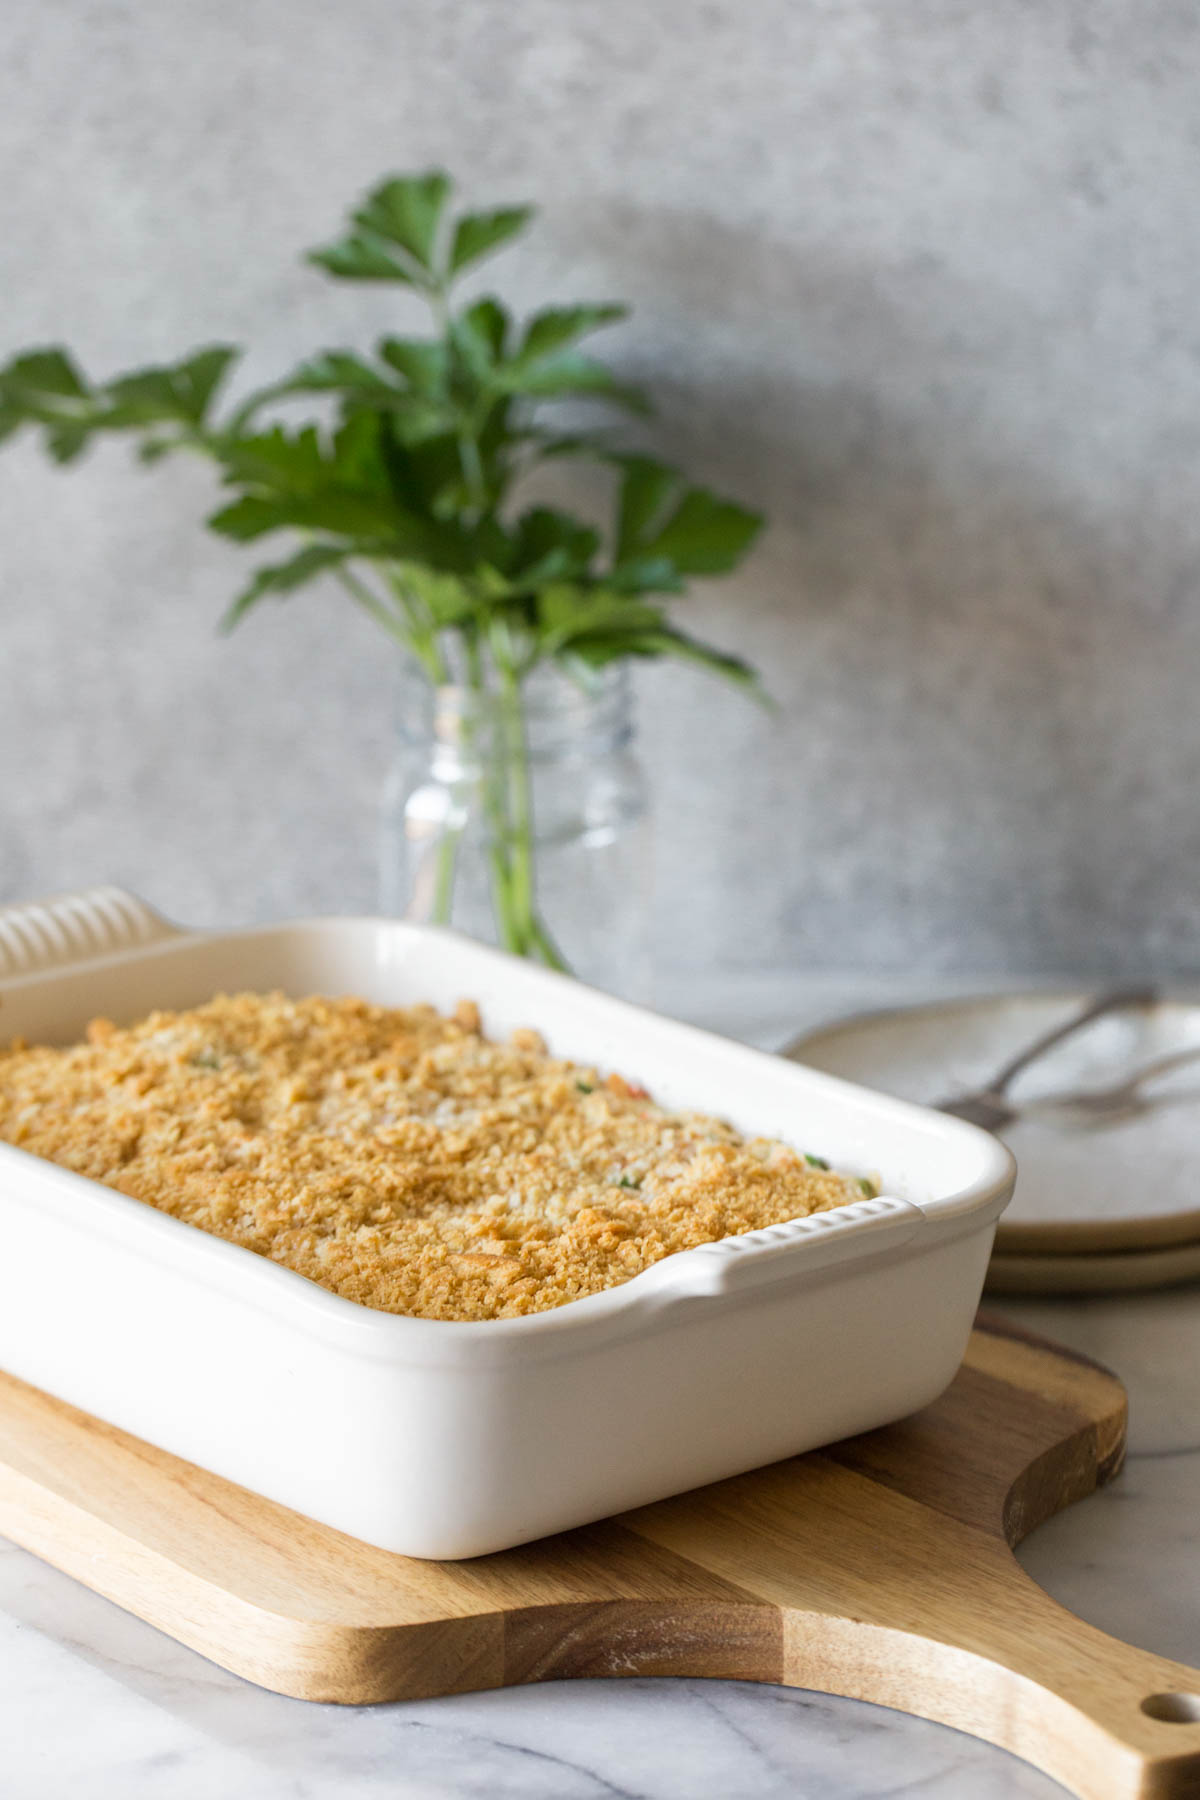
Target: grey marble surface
pixel 98 1705
pixel 920 279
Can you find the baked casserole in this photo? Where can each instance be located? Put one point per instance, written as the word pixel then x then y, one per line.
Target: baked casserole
pixel 398 1156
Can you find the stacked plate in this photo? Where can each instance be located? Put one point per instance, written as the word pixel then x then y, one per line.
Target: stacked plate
pixel 1108 1193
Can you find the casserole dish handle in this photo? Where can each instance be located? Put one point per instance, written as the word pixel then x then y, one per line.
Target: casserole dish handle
pixel 75 928
pixel 798 1247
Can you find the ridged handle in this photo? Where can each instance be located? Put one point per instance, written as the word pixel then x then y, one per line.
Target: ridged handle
pixel 51 934
pixel 796 1247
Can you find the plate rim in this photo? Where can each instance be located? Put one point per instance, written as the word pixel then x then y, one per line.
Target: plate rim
pixel 1054 1238
pixel 1133 1271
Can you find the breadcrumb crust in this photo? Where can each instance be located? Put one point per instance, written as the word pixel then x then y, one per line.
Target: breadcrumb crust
pixel 397 1156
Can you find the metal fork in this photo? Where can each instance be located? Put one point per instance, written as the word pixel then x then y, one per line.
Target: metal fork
pixel 987 1104
pixel 1120 1098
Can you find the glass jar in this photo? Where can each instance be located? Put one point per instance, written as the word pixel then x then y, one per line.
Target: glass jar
pixel 521 819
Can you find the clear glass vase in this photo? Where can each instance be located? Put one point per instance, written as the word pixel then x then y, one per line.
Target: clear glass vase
pixel 521 819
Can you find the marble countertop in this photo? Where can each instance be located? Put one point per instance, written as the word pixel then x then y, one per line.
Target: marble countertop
pixel 95 1704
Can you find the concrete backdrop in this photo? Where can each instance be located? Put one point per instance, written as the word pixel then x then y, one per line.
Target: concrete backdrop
pixel 918 277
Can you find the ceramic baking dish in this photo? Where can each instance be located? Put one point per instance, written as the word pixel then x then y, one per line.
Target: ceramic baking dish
pixel 450 1440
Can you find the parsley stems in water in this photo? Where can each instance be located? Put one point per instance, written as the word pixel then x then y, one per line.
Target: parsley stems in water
pixel 410 489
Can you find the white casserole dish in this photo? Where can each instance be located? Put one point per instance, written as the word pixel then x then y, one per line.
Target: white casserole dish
pixel 450 1440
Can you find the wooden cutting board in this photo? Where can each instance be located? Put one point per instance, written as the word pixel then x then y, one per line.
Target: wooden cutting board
pixel 879 1569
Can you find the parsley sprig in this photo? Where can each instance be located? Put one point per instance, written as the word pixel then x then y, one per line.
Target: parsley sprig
pixel 406 488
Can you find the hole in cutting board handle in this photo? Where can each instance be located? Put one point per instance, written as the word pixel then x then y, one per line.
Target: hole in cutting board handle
pixel 1173 1709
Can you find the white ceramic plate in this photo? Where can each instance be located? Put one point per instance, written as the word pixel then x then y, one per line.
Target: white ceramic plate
pixel 1097 1272
pixel 1129 1185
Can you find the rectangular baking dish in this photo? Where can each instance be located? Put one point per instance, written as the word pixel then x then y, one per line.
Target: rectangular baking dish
pixel 448 1440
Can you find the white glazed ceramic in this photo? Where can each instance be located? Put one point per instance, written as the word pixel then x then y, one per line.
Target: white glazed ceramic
pixel 1126 1184
pixel 450 1440
pixel 1096 1272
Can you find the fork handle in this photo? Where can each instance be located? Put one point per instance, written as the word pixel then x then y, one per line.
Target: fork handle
pixel 1163 1065
pixel 1116 1000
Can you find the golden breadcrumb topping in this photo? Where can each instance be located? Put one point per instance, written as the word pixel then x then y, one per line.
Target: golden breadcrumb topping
pixel 399 1157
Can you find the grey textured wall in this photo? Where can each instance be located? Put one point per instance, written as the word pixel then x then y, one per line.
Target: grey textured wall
pixel 919 277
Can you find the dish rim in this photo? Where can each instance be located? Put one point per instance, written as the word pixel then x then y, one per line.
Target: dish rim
pixel 631 1305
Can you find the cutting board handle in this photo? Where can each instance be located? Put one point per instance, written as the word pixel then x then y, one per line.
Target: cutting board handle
pixel 1129 1721
pixel 1107 1720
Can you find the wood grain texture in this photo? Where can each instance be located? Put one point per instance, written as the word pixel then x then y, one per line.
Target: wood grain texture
pixel 880 1569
